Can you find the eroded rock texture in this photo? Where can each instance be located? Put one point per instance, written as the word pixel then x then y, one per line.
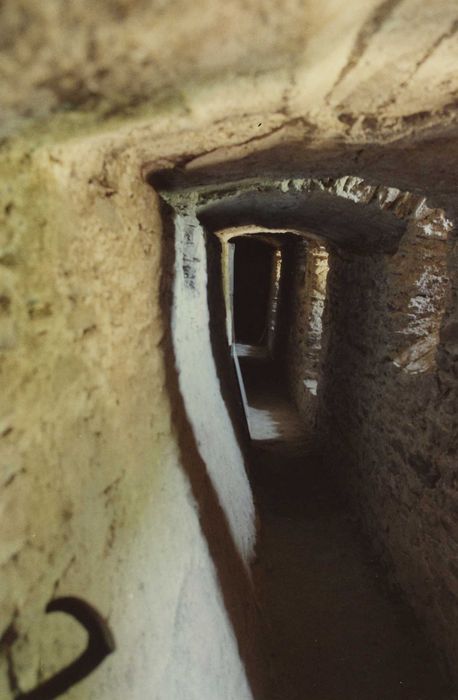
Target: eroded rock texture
pixel 105 489
pixel 306 325
pixel 389 410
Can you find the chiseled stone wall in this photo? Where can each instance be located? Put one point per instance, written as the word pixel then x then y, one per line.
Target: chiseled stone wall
pixel 389 406
pixel 308 293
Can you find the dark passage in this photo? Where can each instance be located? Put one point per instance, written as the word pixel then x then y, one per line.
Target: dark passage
pixel 252 280
pixel 334 629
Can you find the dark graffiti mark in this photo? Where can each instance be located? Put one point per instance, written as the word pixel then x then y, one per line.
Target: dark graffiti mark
pixel 100 644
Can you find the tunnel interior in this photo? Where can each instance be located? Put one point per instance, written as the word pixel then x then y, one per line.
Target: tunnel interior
pixel 253 264
pixel 279 292
pixel 335 298
pixel 229 350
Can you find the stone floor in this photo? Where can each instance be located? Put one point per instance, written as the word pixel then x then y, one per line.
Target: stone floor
pixel 333 628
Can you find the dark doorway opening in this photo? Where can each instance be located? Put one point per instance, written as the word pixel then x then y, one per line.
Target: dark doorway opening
pixel 253 261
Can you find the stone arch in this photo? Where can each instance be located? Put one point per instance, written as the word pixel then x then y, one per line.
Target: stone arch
pixel 375 234
pixel 348 213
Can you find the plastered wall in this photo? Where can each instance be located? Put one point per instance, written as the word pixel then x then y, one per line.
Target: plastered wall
pixel 200 385
pixel 97 497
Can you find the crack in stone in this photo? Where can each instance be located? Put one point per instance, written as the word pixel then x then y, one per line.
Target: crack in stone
pixel 428 53
pixel 185 162
pixel 152 168
pixel 62 575
pixel 9 636
pixel 373 25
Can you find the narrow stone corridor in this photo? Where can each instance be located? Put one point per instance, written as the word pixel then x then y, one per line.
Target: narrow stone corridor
pixel 334 629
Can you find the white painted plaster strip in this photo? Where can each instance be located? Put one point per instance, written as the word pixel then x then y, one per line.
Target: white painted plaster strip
pixel 200 385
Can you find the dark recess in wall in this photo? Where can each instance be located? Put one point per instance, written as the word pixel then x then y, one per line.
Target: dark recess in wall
pixel 252 280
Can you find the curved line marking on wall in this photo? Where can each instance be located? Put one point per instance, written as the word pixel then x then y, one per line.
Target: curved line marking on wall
pixel 100 644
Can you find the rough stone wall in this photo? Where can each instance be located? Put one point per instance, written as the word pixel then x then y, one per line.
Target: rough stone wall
pixel 95 498
pixel 388 407
pixel 357 69
pixel 99 498
pixel 304 342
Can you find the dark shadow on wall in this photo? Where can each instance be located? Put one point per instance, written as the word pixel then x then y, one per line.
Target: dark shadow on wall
pixel 447 354
pixel 235 585
pixel 350 342
pixel 252 286
pixel 385 431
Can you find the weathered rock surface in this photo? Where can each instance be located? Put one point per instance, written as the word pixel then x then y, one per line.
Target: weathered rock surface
pixel 99 486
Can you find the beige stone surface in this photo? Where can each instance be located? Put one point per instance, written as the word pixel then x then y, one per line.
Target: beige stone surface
pixel 360 70
pixel 309 263
pixel 95 502
pixel 97 496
